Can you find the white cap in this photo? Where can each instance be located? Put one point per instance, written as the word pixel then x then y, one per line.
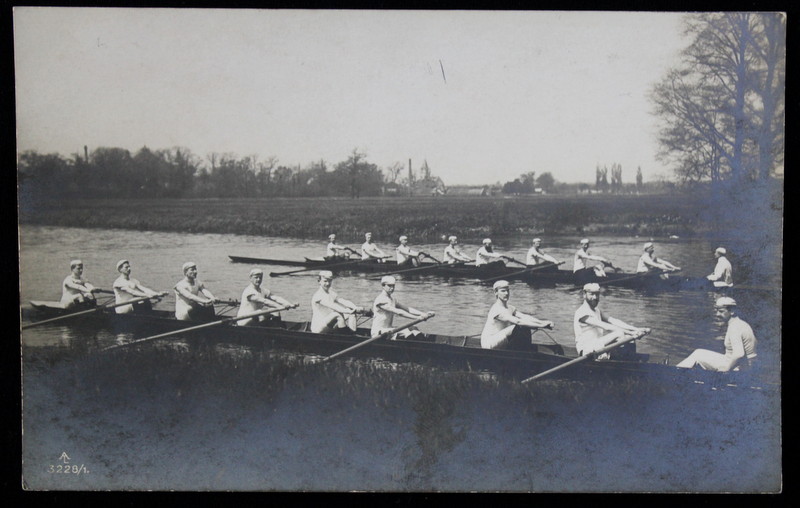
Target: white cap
pixel 121 262
pixel 451 238
pixel 256 271
pixel 388 279
pixel 326 273
pixel 647 245
pixel 331 236
pixel 500 284
pixel 75 262
pixel 585 240
pixel 487 241
pixel 536 240
pixel 725 301
pixel 721 250
pixel 188 265
pixel 591 287
pixel 404 237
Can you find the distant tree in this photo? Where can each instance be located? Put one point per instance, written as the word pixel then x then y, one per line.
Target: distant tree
pixel 639 179
pixel 393 172
pixel 546 182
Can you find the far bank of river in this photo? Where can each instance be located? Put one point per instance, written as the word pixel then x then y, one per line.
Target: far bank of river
pixel 426 218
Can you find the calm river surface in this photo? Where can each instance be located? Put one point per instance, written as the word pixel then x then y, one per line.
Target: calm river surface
pixel 681 321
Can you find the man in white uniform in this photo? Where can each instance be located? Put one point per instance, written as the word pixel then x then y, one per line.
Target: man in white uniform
pixel 385 307
pixel 723 271
pixel 334 250
pixel 582 266
pixel 486 254
pixel 506 327
pixel 594 329
pixel 329 311
pixel 405 254
pixel 75 291
pixel 193 302
pixel 127 288
pixel 536 256
pixel 648 262
pixel 453 254
pixel 256 298
pixel 371 251
pixel 740 342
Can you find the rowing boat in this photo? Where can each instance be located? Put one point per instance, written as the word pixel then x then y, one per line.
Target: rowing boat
pixel 549 276
pixel 462 353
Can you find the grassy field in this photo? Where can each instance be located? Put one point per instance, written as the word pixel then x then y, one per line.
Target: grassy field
pixel 425 218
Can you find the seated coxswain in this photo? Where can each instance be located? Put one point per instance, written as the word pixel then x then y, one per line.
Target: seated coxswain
pixel 386 306
pixel 256 298
pixel 193 302
pixel 649 263
pixel 75 290
pixel 723 271
pixel 595 330
pixel 740 342
pixel 331 313
pixel 535 255
pixel 582 267
pixel 336 251
pixel 371 251
pixel 406 256
pixel 453 254
pixel 126 288
pixel 506 327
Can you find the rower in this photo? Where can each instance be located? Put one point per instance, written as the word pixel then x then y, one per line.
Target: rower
pixel 453 254
pixel 595 330
pixel 330 312
pixel 385 307
pixel 193 302
pixel 506 327
pixel 336 251
pixel 740 342
pixel 648 262
pixel 127 289
pixel 582 269
pixel 406 255
pixel 256 298
pixel 536 256
pixel 371 251
pixel 486 254
pixel 76 291
pixel 723 271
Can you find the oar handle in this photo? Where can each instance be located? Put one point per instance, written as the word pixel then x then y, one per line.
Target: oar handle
pixel 380 336
pixel 89 311
pixel 527 270
pixel 103 291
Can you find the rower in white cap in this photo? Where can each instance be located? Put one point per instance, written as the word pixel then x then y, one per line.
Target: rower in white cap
pixel 536 256
pixel 336 251
pixel 486 254
pixel 740 342
pixel 371 251
pixel 506 327
pixel 581 266
pixel 127 288
pixel 329 311
pixel 256 298
pixel 193 302
pixel 453 254
pixel 405 254
pixel 75 290
pixel 723 271
pixel 648 262
pixel 385 307
pixel 595 330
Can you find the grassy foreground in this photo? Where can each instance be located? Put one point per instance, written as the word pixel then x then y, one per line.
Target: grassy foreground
pixel 425 218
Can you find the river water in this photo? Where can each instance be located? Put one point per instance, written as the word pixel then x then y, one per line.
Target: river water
pixel 168 418
pixel 681 321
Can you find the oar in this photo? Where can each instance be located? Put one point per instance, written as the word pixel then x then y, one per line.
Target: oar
pixel 103 291
pixel 378 337
pixel 320 266
pixel 514 260
pixel 583 358
pixel 204 325
pixel 89 311
pixel 527 270
pixel 430 257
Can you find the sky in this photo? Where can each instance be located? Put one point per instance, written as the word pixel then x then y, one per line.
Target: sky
pixel 483 97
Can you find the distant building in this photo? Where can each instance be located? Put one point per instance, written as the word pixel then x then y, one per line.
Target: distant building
pixel 469 190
